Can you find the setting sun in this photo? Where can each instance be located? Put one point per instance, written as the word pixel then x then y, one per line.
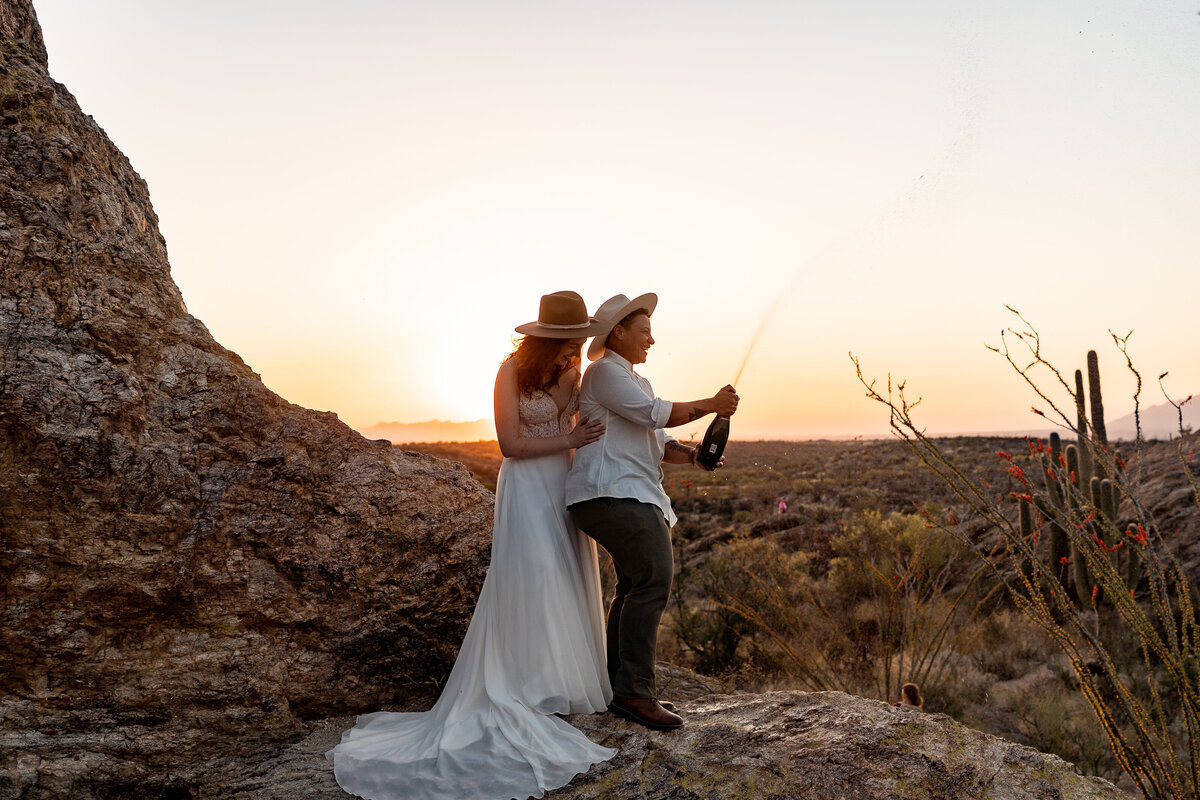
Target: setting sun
pixel 862 191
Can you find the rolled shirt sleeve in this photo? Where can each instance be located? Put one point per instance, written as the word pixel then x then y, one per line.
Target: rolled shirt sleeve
pixel 626 461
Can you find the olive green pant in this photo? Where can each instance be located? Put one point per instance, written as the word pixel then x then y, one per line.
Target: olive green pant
pixel 638 538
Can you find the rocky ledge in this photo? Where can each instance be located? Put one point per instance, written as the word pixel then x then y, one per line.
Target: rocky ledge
pixel 785 745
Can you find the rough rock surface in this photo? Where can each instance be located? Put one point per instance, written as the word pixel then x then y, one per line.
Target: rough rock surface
pixel 785 745
pixel 190 566
pixel 820 746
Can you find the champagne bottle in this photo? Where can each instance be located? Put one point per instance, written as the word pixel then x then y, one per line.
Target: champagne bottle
pixel 714 442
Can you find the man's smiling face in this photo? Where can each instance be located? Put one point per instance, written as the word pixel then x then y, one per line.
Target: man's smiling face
pixel 633 340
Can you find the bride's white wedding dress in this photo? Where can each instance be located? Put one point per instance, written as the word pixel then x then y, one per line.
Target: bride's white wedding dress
pixel 534 648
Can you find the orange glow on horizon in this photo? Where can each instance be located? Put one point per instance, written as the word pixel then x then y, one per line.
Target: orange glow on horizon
pixel 877 194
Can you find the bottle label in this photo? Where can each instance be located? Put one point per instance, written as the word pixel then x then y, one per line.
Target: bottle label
pixel 712 448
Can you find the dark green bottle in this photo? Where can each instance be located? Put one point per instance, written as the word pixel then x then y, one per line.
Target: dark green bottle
pixel 714 442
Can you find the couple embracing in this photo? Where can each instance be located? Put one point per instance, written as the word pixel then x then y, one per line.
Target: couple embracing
pixel 582 466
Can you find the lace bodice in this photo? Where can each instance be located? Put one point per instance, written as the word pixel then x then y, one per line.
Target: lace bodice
pixel 539 417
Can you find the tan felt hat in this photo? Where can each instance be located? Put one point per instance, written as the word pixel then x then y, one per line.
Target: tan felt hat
pixel 561 315
pixel 612 311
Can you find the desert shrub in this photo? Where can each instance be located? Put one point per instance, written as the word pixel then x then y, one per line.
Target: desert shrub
pixel 1053 720
pixel 1006 645
pixel 712 631
pixel 882 613
pixel 1106 617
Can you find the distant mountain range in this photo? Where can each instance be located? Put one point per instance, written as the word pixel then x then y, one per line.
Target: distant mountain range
pixel 435 430
pixel 1158 422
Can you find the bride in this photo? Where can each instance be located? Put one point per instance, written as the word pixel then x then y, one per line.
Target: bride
pixel 535 645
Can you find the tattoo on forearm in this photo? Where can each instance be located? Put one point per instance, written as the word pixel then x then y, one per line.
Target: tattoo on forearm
pixel 693 413
pixel 676 447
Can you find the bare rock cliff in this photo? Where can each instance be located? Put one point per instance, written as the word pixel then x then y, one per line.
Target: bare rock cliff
pixel 189 565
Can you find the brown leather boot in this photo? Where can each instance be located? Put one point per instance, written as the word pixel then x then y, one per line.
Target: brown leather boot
pixel 646 711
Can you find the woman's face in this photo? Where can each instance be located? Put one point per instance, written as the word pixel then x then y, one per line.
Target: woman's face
pixel 570 352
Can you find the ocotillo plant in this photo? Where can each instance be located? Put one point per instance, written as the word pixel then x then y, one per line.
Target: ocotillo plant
pixel 1149 712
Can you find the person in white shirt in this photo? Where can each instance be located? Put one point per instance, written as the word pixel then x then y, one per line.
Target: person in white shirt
pixel 615 495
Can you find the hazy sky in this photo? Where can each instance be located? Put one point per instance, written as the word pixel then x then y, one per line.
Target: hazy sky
pixel 363 198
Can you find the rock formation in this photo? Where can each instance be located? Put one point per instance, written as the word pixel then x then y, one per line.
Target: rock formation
pixel 821 746
pixel 774 746
pixel 190 566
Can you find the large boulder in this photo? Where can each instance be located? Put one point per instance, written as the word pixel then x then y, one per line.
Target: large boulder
pixel 190 566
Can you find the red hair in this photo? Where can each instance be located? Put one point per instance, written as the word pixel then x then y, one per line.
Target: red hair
pixel 912 694
pixel 536 367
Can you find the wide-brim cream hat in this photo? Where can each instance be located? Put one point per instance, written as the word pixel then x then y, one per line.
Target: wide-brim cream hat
pixel 612 311
pixel 561 315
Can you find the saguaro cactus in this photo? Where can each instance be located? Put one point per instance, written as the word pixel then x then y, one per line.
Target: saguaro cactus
pixel 1082 486
pixel 1133 567
pixel 1093 362
pixel 1081 428
pixel 1083 582
pixel 1103 526
pixel 1060 544
pixel 1025 522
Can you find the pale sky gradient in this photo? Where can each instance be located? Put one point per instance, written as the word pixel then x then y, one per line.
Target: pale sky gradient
pixel 363 198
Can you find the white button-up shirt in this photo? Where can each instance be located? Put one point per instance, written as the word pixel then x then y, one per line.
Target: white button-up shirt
pixel 627 460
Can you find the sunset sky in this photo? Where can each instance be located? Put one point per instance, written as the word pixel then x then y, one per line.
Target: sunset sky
pixel 363 198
